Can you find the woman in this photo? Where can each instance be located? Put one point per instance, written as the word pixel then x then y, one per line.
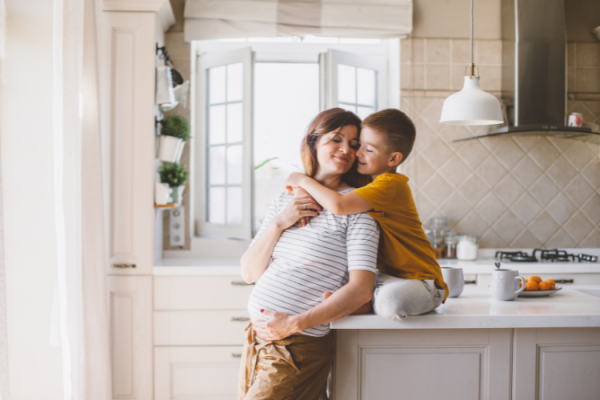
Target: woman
pixel 288 347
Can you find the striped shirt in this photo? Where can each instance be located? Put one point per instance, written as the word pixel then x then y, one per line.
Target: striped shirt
pixel 309 261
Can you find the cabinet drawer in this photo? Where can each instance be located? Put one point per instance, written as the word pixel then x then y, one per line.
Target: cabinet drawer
pixel 201 293
pixel 196 372
pixel 199 327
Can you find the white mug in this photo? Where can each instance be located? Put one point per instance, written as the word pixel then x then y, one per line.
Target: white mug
pixel 505 284
pixel 454 279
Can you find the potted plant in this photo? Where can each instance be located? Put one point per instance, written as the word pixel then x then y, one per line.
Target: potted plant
pixel 175 175
pixel 175 131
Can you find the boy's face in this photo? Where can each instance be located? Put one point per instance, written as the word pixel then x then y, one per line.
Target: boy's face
pixel 373 155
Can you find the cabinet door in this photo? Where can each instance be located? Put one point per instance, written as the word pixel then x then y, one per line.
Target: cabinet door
pixel 130 299
pixel 131 179
pixel 457 364
pixel 556 363
pixel 200 373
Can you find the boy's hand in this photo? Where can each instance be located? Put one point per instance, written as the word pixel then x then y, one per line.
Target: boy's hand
pixel 294 180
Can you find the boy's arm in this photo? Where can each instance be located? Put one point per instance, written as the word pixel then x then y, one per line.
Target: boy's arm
pixel 338 204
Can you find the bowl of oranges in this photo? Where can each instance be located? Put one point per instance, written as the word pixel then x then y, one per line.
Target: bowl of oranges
pixel 536 287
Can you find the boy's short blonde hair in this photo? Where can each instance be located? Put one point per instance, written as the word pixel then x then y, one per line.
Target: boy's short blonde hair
pixel 398 129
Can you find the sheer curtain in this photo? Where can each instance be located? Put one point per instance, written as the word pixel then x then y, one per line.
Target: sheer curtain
pixel 81 252
pixel 3 330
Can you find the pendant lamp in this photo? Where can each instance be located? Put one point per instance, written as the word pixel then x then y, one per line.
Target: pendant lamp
pixel 471 106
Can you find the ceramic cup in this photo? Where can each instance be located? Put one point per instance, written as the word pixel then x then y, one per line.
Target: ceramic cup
pixel 454 279
pixel 505 284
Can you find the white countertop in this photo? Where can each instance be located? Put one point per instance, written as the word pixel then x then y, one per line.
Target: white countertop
pixel 475 308
pixel 203 266
pixel 486 266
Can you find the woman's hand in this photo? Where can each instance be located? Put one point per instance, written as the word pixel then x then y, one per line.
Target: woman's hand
pixel 294 180
pixel 280 326
pixel 303 205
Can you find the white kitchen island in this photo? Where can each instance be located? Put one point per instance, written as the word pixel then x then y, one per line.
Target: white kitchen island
pixel 473 347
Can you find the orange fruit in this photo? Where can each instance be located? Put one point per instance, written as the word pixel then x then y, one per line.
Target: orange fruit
pixel 535 279
pixel 531 285
pixel 544 286
pixel 551 283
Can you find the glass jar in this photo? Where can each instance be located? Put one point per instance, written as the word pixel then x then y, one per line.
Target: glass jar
pixel 451 243
pixel 467 247
pixel 439 229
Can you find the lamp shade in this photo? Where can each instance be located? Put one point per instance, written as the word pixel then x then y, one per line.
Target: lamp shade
pixel 472 106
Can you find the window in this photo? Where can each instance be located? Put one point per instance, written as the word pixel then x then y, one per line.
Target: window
pixel 252 106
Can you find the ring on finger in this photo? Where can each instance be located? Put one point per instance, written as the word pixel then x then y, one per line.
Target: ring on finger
pixel 305 206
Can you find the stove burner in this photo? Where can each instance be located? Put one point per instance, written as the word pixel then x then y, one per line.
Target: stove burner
pixel 544 255
pixel 515 256
pixel 587 258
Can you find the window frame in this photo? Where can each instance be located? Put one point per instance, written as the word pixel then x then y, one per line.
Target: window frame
pixel 201 145
pixel 388 51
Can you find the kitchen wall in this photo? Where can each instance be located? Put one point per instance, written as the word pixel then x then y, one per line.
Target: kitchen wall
pixel 512 192
pixel 179 51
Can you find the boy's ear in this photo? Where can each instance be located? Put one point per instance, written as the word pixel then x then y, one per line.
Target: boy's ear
pixel 395 159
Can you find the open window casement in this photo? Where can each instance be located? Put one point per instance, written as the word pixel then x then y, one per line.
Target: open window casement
pixel 353 82
pixel 223 183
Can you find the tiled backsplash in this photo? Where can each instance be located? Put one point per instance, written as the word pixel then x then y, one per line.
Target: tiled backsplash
pixel 511 192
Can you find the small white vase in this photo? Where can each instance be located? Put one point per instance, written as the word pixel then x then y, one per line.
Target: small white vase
pixel 162 193
pixel 170 148
pixel 177 194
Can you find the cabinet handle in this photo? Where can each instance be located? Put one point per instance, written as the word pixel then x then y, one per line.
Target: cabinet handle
pixel 563 281
pixel 236 355
pixel 240 319
pixel 473 282
pixel 241 283
pixel 124 265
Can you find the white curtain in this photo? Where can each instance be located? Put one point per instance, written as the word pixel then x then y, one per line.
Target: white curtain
pixel 80 241
pixel 208 19
pixel 3 328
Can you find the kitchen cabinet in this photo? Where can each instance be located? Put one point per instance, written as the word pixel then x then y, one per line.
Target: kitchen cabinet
pixel 553 364
pixel 183 373
pixel 199 326
pixel 131 31
pixel 131 336
pixel 422 364
pixel 472 347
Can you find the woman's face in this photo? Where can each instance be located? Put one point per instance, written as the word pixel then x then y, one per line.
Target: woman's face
pixel 336 151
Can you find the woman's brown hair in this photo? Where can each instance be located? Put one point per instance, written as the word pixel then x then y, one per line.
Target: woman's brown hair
pixel 325 122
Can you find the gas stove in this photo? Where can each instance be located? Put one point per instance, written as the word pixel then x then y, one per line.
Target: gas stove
pixel 544 255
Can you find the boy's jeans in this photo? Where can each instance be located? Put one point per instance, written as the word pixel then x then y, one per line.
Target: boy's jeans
pixel 396 298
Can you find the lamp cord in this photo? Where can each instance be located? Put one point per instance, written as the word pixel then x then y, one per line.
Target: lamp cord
pixel 471 31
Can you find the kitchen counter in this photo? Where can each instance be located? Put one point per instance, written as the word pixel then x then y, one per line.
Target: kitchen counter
pixel 571 307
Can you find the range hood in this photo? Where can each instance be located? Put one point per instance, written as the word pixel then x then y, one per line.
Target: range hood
pixel 534 71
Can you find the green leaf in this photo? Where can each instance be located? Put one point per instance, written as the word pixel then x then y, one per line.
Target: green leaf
pixel 265 162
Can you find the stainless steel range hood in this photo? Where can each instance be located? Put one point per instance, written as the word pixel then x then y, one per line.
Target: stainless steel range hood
pixel 534 71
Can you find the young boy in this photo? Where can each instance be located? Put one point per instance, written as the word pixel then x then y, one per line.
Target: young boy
pixel 410 280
